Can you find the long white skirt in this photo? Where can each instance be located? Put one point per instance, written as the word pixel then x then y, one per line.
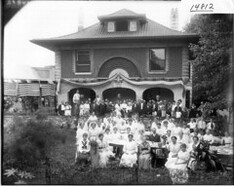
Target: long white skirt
pixel 104 157
pixel 128 160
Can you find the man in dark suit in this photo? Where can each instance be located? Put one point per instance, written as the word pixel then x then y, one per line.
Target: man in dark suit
pixel 142 107
pixel 155 138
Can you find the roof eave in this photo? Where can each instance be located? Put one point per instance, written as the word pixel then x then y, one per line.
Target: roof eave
pixel 52 44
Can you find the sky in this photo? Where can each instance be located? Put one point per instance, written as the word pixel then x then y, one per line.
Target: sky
pixel 45 19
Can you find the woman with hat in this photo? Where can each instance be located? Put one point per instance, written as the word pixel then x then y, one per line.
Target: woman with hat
pixel 129 156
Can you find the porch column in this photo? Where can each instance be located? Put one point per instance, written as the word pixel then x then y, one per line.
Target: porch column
pixel 139 93
pixel 178 94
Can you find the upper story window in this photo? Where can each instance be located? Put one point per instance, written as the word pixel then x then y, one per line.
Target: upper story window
pixel 83 63
pixel 157 59
pixel 121 25
pixel 111 26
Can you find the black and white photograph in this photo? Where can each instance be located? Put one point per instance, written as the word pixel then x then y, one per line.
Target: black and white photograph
pixel 117 93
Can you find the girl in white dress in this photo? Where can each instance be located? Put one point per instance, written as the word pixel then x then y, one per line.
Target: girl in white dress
pixel 104 152
pixel 129 156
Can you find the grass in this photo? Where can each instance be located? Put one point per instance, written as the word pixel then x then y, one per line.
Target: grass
pixel 64 170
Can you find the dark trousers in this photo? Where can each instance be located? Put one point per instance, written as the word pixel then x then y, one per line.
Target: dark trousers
pixel 153 159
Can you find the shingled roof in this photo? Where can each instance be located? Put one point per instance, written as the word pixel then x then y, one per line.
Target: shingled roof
pixel 150 29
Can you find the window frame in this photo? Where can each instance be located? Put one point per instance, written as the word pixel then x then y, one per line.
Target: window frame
pixel 131 21
pixel 75 62
pixel 166 69
pixel 110 22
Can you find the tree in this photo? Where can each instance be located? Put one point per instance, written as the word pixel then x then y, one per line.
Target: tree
pixel 211 58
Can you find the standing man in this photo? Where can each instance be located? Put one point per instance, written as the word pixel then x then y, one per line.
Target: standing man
pixel 76 101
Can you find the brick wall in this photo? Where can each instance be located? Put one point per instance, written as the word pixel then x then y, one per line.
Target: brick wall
pixel 138 56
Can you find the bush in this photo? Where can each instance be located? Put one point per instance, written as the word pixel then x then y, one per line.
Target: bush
pixel 28 143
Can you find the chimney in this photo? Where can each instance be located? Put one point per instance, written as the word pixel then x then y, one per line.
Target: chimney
pixel 80 19
pixel 174 19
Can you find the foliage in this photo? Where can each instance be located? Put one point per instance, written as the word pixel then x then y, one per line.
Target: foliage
pixel 211 64
pixel 29 142
pixel 20 176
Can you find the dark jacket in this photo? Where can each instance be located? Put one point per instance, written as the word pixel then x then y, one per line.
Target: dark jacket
pixel 154 138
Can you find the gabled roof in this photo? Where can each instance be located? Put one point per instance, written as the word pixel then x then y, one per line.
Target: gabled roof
pixel 149 30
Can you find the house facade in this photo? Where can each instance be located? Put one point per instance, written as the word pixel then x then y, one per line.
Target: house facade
pixel 124 55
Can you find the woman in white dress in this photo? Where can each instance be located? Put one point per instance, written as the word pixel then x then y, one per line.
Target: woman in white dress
pixel 176 130
pixel 178 169
pixel 103 150
pixel 186 134
pixel 173 148
pixel 144 157
pixel 129 156
pixel 93 131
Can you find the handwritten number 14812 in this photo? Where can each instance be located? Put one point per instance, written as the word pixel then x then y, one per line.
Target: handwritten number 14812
pixel 202 7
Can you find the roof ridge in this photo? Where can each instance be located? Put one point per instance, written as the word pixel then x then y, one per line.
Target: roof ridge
pixel 77 31
pixel 124 9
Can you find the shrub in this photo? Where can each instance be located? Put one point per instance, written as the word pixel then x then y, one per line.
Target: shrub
pixel 28 143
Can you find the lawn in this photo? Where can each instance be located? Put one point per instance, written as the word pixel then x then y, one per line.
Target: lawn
pixel 69 173
pixel 65 171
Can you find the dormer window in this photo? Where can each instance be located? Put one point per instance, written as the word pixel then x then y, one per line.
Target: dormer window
pixel 121 25
pixel 111 26
pixel 133 26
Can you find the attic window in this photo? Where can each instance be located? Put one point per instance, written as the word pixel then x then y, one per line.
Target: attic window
pixel 110 26
pixel 121 25
pixel 133 26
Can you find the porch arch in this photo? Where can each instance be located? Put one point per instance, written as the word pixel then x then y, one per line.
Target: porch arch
pixel 114 94
pixel 118 63
pixel 164 93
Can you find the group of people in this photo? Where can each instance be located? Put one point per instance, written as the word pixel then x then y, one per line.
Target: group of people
pixel 126 107
pixel 169 142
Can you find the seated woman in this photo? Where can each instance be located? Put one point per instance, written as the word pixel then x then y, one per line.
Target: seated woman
pixel 107 136
pixel 83 154
pixel 115 138
pixel 193 149
pixel 129 156
pixel 173 148
pixel 104 152
pixel 93 131
pixel 178 170
pixel 144 157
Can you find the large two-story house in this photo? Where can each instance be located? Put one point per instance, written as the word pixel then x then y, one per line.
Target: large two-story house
pixel 126 55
